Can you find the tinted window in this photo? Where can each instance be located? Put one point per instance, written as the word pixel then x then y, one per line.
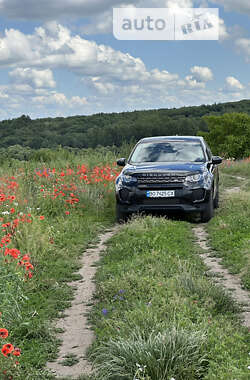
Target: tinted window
pixel 168 151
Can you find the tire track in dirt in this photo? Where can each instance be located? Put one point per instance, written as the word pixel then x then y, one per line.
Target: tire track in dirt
pixel 228 281
pixel 77 336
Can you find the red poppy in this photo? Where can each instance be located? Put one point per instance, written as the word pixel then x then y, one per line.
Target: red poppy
pixel 41 217
pixel 7 349
pixel 16 352
pixel 3 333
pixel 26 258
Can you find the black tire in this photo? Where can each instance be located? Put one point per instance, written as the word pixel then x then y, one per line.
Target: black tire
pixel 208 211
pixel 121 216
pixel 216 199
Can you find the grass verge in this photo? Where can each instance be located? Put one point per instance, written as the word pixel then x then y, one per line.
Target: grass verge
pixel 51 212
pixel 229 230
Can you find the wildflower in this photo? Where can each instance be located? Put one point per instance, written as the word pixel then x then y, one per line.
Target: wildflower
pixel 7 349
pixel 41 217
pixel 104 311
pixel 3 333
pixel 12 252
pixel 28 266
pixel 26 258
pixel 16 352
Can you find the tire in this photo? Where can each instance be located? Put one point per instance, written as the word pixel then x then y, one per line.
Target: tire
pixel 216 199
pixel 208 211
pixel 121 216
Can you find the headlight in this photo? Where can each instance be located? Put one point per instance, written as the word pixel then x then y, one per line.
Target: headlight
pixel 128 179
pixel 125 180
pixel 193 178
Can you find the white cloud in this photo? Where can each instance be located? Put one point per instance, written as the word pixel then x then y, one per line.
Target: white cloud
pixel 53 46
pixel 78 101
pixel 47 9
pixel 15 46
pixel 243 45
pixel 241 6
pixel 233 84
pixel 59 99
pixel 33 77
pixel 201 73
pixel 179 3
pixel 116 81
pixel 103 22
pixel 223 32
pixel 56 9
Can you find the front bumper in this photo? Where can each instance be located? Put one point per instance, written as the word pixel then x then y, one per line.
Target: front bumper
pixel 187 200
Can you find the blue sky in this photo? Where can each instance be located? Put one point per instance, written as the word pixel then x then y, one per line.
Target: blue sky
pixel 60 58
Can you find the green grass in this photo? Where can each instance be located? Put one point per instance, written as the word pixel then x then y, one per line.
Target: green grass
pixel 55 245
pixel 238 168
pixel 158 314
pixel 70 360
pixel 152 290
pixel 229 230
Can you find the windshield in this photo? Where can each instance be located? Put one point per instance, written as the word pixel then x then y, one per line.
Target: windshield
pixel 168 151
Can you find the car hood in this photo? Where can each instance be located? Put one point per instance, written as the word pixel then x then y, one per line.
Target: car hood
pixel 181 168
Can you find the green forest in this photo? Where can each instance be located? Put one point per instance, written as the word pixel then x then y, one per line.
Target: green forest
pixel 112 129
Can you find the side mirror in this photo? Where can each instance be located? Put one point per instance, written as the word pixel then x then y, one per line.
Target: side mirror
pixel 216 160
pixel 121 162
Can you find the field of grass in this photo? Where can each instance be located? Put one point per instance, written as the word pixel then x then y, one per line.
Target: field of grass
pixel 229 230
pixel 49 212
pixel 158 316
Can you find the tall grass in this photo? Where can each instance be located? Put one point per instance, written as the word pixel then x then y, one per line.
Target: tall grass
pixel 174 353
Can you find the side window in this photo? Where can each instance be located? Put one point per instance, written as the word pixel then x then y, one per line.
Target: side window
pixel 209 153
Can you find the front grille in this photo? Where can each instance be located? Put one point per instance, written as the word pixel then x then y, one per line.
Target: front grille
pixel 159 178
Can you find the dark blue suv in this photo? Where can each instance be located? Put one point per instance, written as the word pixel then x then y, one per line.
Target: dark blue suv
pixel 169 173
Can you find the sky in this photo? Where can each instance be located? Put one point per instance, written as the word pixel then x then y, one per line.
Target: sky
pixel 60 58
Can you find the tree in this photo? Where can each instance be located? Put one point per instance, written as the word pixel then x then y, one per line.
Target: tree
pixel 229 135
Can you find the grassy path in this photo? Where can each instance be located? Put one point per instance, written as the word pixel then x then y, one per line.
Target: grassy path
pixel 222 276
pixel 76 334
pixel 229 230
pixel 232 195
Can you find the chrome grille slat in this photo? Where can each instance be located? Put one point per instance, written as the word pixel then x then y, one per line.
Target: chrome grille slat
pixel 156 178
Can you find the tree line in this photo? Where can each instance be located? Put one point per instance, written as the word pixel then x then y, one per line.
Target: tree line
pixel 115 129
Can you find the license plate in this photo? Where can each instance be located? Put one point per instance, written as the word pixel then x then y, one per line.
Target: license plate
pixel 161 194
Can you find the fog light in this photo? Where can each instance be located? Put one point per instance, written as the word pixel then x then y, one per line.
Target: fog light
pixel 124 195
pixel 198 195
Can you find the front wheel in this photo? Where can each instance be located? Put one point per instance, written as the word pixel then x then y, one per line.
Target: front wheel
pixel 208 211
pixel 121 216
pixel 216 199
